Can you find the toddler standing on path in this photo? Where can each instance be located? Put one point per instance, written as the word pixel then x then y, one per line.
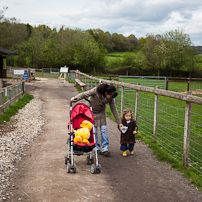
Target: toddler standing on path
pixel 128 132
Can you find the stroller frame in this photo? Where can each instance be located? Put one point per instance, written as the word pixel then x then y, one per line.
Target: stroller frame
pixel 92 156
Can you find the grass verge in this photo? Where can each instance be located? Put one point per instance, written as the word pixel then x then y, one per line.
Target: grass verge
pixel 13 109
pixel 164 156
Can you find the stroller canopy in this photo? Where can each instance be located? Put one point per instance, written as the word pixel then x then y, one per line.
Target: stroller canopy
pixel 82 109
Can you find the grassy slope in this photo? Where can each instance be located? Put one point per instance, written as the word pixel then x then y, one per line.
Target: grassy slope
pixel 13 109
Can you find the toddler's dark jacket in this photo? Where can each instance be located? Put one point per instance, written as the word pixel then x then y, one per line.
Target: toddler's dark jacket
pixel 128 137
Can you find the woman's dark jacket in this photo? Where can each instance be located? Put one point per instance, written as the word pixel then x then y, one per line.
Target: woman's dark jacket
pixel 128 137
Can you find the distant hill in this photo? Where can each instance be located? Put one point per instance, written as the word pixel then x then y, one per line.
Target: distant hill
pixel 198 49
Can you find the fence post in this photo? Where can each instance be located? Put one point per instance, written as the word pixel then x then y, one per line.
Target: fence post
pixel 155 116
pixel 187 127
pixel 8 95
pixel 137 103
pixel 188 81
pixel 166 83
pixel 122 99
pixel 1 100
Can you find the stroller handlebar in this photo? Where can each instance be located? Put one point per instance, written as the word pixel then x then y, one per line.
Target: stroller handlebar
pixel 84 98
pixel 71 102
pixel 89 102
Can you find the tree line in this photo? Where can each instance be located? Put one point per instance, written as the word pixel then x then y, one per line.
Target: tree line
pixel 41 47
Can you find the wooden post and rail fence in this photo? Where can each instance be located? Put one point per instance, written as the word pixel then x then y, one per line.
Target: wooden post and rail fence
pixel 10 94
pixel 91 82
pixel 182 79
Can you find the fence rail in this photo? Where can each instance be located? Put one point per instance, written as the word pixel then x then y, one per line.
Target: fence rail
pixel 150 81
pixel 194 84
pixel 10 94
pixel 174 125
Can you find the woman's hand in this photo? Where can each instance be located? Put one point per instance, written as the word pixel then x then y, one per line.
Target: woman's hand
pixel 73 99
pixel 120 125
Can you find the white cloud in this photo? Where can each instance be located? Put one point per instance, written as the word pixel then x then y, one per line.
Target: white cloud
pixel 137 17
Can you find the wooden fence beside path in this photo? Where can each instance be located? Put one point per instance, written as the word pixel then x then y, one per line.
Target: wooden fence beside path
pixel 91 82
pixel 187 80
pixel 10 94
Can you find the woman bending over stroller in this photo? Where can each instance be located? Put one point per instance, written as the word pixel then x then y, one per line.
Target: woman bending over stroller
pixel 99 97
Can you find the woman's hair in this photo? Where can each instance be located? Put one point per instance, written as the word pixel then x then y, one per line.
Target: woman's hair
pixel 110 89
pixel 125 111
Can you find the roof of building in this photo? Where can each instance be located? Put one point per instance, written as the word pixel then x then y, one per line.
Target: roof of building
pixel 7 52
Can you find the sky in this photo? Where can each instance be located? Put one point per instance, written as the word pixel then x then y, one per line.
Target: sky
pixel 138 17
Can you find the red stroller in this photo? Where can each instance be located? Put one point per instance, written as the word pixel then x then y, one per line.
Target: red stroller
pixel 79 113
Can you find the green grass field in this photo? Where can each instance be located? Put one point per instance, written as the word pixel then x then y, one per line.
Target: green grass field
pixel 117 56
pixel 49 75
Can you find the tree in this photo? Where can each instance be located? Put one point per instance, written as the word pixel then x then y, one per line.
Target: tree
pixel 179 53
pixel 2 12
pixel 172 50
pixel 147 56
pixel 86 52
pixel 133 43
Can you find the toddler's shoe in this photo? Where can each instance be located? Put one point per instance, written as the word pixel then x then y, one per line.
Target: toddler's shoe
pixel 132 152
pixel 124 153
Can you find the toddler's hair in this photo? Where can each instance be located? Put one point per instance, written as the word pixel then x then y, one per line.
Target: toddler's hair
pixel 125 111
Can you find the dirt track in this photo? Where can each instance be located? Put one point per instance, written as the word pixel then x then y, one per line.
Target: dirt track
pixel 42 174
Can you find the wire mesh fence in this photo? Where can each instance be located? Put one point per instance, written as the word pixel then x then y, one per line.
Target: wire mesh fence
pixel 150 81
pixel 195 86
pixel 170 126
pixel 178 122
pixel 10 94
pixel 49 72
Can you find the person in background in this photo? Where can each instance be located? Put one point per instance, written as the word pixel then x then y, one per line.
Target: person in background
pixel 100 96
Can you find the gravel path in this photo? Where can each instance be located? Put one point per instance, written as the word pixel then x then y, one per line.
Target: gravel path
pixel 28 125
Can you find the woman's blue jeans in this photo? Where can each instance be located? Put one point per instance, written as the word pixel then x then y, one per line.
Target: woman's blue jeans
pixel 104 138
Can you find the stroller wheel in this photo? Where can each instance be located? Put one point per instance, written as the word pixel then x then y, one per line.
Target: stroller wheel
pixel 74 168
pixel 98 169
pixel 65 159
pixel 68 167
pixel 92 169
pixel 95 169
